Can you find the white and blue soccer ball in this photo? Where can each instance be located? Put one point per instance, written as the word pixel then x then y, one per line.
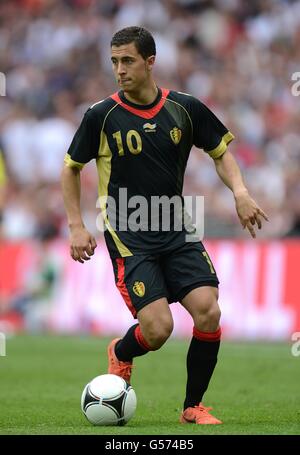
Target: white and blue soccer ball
pixel 108 400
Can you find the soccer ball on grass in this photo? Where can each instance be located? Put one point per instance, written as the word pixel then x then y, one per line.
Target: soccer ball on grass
pixel 108 400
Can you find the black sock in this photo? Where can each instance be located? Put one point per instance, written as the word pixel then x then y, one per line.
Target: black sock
pixel 132 345
pixel 201 362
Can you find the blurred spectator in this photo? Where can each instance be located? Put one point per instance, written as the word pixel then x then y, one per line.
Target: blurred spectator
pixel 238 57
pixel 33 302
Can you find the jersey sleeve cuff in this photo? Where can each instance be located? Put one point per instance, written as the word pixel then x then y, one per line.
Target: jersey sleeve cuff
pixel 222 147
pixel 71 163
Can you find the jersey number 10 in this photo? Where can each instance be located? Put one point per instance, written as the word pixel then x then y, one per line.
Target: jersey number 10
pixel 133 141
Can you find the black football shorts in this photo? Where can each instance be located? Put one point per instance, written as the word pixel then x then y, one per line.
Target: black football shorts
pixel 143 278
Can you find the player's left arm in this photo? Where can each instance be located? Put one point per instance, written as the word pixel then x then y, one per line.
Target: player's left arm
pixel 210 134
pixel 250 214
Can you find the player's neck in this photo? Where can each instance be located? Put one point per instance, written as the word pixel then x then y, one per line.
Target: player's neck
pixel 145 95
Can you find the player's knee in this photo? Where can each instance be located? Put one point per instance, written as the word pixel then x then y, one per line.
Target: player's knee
pixel 214 315
pixel 208 315
pixel 158 331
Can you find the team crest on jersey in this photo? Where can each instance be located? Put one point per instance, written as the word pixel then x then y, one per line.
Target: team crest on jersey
pixel 139 288
pixel 149 127
pixel 175 134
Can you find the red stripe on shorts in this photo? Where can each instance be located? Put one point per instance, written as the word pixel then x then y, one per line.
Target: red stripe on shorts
pixel 122 286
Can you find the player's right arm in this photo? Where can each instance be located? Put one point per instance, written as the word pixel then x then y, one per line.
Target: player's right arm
pixel 83 148
pixel 82 243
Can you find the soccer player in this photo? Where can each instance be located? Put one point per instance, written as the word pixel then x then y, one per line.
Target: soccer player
pixel 141 137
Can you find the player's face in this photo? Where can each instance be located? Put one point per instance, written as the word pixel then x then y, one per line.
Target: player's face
pixel 130 69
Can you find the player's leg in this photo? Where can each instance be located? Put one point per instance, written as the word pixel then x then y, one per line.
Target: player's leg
pixel 142 286
pixel 202 304
pixel 193 281
pixel 154 328
pixel 156 324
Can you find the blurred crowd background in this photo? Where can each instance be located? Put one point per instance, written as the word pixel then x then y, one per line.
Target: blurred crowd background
pixel 236 56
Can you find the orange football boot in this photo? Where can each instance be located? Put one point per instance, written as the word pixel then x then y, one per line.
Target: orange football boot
pixel 116 366
pixel 200 415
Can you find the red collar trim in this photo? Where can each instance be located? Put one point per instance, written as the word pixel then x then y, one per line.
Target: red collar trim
pixel 146 113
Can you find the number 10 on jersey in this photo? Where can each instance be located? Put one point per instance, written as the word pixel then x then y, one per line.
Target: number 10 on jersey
pixel 133 141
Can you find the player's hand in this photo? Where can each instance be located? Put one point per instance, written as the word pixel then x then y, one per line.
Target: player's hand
pixel 250 214
pixel 82 244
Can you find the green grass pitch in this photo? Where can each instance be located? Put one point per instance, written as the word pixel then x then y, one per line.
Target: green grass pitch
pixel 255 388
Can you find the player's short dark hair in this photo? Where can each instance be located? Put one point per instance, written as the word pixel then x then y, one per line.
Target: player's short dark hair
pixel 143 40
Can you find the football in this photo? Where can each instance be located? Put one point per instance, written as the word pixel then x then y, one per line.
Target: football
pixel 108 400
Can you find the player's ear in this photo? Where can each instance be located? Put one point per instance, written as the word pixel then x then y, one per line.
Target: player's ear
pixel 150 62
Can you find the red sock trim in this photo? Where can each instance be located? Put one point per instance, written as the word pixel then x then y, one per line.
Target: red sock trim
pixel 207 336
pixel 140 339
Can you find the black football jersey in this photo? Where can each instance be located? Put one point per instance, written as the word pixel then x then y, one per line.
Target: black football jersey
pixel 141 152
